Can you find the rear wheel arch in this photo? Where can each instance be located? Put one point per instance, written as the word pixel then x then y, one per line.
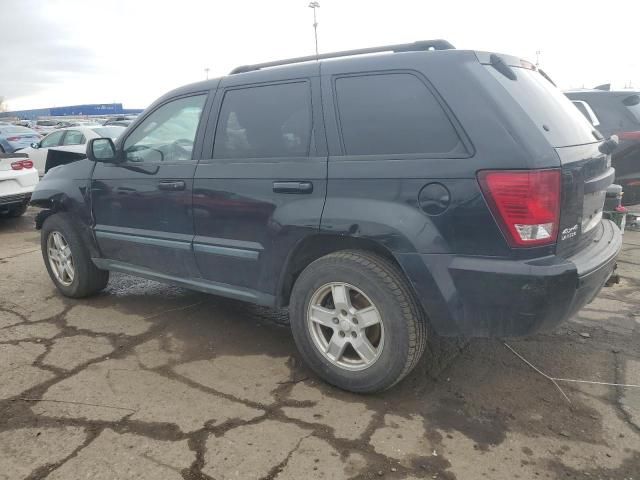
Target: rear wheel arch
pixel 314 247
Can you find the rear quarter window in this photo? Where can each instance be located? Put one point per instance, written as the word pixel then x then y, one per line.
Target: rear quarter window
pixel 547 107
pixel 392 113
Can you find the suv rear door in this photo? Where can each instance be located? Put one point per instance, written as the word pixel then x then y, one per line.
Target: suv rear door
pixel 142 205
pixel 261 187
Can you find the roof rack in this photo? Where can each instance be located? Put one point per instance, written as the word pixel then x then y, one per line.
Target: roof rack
pixel 421 45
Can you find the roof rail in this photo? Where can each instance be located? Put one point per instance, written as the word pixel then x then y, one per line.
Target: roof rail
pixel 401 47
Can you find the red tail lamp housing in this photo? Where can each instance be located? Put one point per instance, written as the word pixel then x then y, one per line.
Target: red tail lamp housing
pixel 20 164
pixel 526 204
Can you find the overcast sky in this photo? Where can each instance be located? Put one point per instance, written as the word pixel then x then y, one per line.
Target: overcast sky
pixel 65 52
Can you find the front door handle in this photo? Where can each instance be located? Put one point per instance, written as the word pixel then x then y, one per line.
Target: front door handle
pixel 173 185
pixel 292 187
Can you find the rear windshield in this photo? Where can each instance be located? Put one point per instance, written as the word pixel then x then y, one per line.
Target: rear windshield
pixel 548 107
pixel 12 129
pixel 109 132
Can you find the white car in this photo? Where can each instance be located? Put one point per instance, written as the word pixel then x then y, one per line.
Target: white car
pixel 71 139
pixel 18 179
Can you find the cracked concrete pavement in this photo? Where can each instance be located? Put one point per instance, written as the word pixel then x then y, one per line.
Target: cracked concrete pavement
pixel 148 381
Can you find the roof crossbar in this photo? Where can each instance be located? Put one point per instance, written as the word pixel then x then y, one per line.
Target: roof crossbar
pixel 421 45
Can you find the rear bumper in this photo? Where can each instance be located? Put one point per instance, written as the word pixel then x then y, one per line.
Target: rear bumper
pixel 11 201
pixel 488 297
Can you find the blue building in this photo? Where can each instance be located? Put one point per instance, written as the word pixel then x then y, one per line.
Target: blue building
pixel 73 110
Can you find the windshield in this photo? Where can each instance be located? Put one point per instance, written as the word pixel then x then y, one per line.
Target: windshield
pixel 47 123
pixel 109 132
pixel 547 107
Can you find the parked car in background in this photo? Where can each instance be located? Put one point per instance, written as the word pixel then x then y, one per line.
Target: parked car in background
pixel 616 112
pixel 45 126
pixel 24 123
pixel 375 196
pixel 18 178
pixel 122 123
pixel 72 139
pixel 13 137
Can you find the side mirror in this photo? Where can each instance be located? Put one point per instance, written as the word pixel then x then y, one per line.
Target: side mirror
pixel 35 145
pixel 102 150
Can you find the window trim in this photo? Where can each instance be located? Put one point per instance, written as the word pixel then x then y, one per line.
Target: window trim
pixel 593 118
pixel 223 93
pixel 139 121
pixel 455 124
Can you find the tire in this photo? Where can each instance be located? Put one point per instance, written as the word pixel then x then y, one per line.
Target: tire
pixel 87 279
pixel 372 281
pixel 16 212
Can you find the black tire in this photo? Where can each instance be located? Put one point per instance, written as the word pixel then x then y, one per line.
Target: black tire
pixel 88 279
pixel 16 212
pixel 402 318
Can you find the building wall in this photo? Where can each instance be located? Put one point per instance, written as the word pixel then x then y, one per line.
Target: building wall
pixel 90 109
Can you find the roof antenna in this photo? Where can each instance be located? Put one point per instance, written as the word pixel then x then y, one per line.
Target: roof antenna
pixel 315 5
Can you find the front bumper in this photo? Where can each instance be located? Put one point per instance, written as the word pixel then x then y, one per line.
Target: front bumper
pixel 489 297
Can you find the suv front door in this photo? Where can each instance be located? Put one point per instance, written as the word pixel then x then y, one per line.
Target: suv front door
pixel 142 205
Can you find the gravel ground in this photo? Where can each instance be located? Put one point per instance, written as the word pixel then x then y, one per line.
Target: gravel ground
pixel 147 381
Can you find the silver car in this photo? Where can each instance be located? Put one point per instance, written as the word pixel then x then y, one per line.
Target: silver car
pixel 13 137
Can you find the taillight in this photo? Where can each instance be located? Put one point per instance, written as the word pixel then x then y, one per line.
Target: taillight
pixel 526 204
pixel 20 164
pixel 629 135
pixel 13 139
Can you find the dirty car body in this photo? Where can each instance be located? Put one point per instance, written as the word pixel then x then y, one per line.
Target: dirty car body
pixel 212 214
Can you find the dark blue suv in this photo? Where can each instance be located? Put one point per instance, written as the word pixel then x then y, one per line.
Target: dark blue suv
pixel 379 197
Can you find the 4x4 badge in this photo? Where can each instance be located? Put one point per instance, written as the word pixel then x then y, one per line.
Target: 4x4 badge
pixel 569 232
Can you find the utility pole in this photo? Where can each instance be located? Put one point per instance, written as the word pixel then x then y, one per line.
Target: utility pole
pixel 315 5
pixel 206 72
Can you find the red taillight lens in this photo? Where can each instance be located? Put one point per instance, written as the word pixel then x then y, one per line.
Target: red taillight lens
pixel 629 135
pixel 525 203
pixel 13 139
pixel 20 164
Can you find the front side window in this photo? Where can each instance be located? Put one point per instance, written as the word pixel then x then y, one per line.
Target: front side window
pixel 168 134
pixel 392 113
pixel 74 137
pixel 263 122
pixel 52 140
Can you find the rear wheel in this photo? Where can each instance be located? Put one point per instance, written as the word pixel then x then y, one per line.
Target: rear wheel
pixel 356 322
pixel 68 261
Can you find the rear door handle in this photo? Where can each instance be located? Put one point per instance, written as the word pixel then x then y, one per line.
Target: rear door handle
pixel 292 187
pixel 172 185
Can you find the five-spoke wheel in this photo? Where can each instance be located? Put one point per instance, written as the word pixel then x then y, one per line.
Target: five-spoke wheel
pixel 60 258
pixel 345 326
pixel 356 322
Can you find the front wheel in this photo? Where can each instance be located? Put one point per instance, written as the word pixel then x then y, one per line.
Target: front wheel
pixel 356 322
pixel 68 260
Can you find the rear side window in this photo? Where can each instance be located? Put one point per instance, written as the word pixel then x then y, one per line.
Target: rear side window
pixel 74 137
pixel 632 102
pixel 392 114
pixel 580 106
pixel 266 121
pixel 552 112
